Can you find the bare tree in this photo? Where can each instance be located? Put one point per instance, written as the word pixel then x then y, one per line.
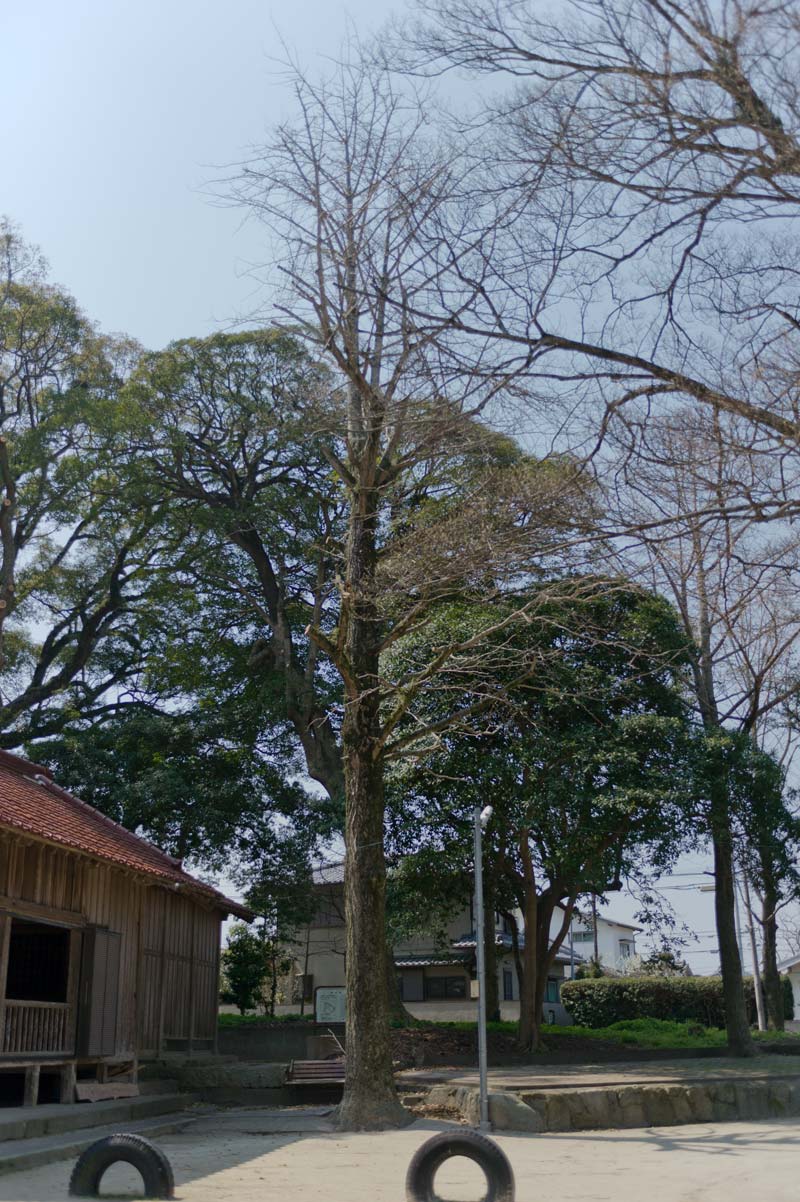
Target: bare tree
pixel 370 225
pixel 648 141
pixel 734 589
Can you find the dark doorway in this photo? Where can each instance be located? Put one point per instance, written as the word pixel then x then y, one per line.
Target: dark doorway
pixel 38 962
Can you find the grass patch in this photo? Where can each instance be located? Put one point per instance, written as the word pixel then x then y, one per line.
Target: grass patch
pixel 261 1020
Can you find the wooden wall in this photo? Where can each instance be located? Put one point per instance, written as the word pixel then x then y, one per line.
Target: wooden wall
pixel 170 943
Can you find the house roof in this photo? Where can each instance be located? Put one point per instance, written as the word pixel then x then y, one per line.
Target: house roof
pixel 432 960
pixel 32 802
pixel 562 956
pixel 328 874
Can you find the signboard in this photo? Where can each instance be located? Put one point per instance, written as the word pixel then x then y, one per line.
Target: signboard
pixel 329 1004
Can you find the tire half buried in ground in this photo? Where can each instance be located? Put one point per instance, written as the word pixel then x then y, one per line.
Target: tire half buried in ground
pixel 471 1144
pixel 152 1164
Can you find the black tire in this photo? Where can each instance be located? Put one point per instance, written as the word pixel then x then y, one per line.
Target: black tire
pixel 484 1151
pixel 151 1162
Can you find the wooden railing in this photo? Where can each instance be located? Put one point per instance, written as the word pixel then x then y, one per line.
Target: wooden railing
pixel 36 1027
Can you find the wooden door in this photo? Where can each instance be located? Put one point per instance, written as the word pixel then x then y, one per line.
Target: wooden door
pixel 99 992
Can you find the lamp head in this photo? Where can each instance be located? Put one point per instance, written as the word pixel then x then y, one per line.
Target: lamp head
pixel 486 816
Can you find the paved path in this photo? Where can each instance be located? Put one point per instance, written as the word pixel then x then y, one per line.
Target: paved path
pixel 735 1162
pixel 546 1076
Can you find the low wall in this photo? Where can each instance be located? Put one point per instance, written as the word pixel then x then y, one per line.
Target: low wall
pixel 636 1105
pixel 276 1042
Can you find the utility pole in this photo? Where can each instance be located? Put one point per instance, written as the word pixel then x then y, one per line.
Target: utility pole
pixel 762 1021
pixel 594 928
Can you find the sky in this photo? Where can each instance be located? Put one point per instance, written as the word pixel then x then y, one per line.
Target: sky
pixel 116 118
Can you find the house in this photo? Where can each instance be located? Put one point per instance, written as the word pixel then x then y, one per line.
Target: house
pixel 791 967
pixel 109 950
pixel 435 978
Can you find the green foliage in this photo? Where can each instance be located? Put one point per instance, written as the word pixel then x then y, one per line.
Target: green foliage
pixel 195 783
pixel 590 971
pixel 261 1020
pixel 603 1003
pixel 245 968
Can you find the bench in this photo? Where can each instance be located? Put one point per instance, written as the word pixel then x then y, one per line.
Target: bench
pixel 316 1072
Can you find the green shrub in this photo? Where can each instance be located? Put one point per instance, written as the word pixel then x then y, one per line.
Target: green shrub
pixel 788 999
pixel 609 1000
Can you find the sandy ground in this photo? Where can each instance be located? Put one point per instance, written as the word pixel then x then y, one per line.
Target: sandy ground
pixel 231 1159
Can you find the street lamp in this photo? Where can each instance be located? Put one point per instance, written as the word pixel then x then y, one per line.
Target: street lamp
pixel 481 821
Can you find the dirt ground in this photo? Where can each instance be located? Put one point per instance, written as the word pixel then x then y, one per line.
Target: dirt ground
pixel 413 1047
pixel 232 1159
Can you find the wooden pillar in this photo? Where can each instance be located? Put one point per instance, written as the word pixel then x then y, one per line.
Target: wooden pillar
pixel 67 1089
pixel 163 984
pixel 5 936
pixel 192 981
pixel 31 1096
pixel 217 974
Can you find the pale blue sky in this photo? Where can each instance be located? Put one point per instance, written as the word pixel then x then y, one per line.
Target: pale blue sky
pixel 114 116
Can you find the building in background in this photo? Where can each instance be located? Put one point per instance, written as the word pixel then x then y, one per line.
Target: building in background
pixel 436 977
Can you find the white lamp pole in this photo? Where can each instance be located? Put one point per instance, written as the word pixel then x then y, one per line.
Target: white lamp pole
pixel 481 821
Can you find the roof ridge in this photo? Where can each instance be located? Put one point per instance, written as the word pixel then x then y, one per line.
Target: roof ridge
pixel 22 766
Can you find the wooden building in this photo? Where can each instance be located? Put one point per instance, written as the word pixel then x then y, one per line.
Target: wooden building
pixel 109 950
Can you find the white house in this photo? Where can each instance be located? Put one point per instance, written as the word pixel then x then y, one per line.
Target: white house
pixel 435 977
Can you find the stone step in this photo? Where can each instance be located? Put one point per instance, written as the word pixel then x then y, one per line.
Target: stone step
pixel 24 1154
pixel 31 1122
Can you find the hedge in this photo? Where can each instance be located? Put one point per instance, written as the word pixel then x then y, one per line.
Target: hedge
pixel 605 1000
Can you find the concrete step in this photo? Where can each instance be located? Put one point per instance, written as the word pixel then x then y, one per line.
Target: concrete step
pixel 19 1154
pixel 31 1122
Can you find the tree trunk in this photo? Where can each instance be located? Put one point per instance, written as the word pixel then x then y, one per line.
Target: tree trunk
pixel 397 1010
pixel 773 986
pixel 370 1099
pixel 740 1042
pixel 529 1017
pixel 490 947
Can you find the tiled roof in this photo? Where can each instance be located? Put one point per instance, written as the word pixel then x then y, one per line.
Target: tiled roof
pixel 329 874
pixel 562 956
pixel 431 960
pixel 31 801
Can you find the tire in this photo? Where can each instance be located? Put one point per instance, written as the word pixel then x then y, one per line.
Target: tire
pixel 151 1162
pixel 474 1146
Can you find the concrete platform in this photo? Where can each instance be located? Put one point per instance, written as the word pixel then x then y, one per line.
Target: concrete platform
pixel 24 1154
pixel 542 1076
pixel 623 1096
pixel 32 1122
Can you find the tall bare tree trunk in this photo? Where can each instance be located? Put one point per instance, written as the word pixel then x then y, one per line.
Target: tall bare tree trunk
pixel 370 1100
pixel 740 1042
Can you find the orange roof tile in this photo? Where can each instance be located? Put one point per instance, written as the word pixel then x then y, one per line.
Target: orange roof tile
pixel 31 801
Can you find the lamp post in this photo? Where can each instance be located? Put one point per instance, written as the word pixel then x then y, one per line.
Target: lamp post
pixel 481 821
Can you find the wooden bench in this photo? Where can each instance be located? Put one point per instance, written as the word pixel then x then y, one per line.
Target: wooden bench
pixel 316 1072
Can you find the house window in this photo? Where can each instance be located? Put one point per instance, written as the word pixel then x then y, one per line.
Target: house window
pixel 445 988
pixel 508 985
pixel 551 990
pixel 582 936
pixel 625 948
pixel 38 962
